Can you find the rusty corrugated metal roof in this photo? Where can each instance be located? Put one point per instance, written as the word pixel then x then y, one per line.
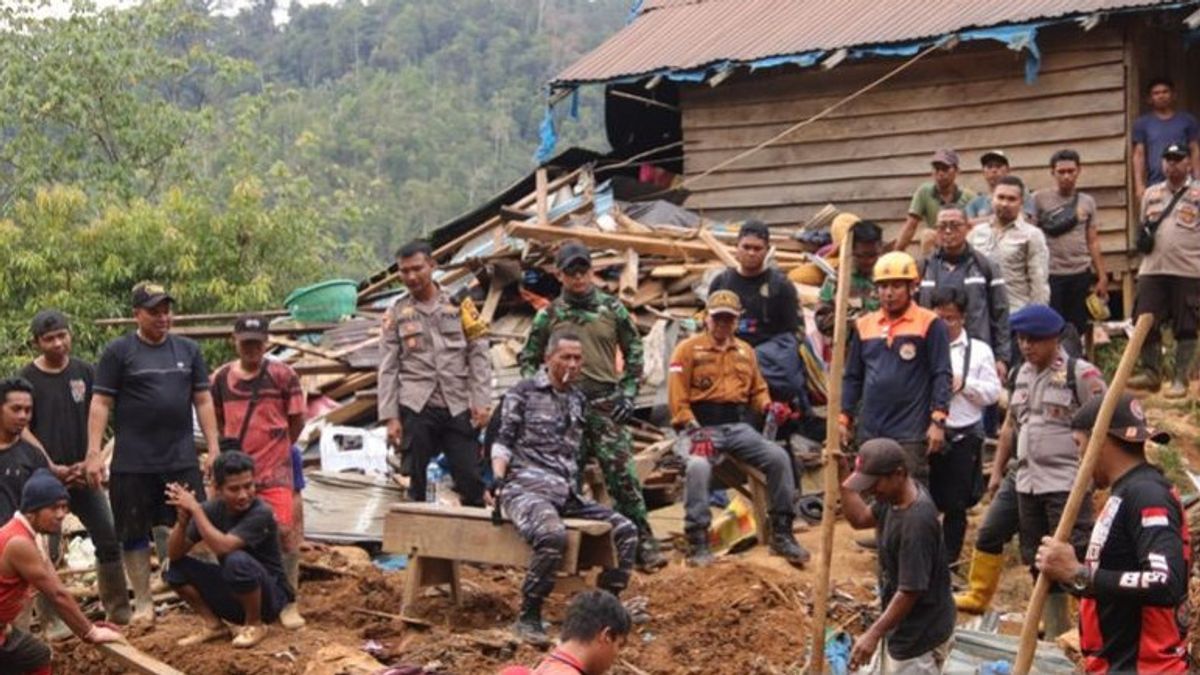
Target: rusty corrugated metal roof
pixel 681 35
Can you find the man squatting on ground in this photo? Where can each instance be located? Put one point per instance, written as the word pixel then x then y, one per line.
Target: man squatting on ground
pixel 535 463
pixel 247 586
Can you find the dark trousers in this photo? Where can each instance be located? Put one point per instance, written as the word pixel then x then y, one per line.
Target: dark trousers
pixel 1002 519
pixel 954 474
pixel 1039 516
pixel 22 653
pixel 139 501
pixel 1068 297
pixel 237 573
pixel 739 440
pixel 433 431
pixel 92 509
pixel 539 520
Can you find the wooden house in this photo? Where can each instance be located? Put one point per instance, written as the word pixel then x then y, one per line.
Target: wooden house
pixel 889 81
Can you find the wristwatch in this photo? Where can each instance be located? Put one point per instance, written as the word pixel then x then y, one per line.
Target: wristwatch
pixel 1082 579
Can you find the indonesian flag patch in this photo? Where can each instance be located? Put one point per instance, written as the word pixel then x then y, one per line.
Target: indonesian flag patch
pixel 676 367
pixel 1154 516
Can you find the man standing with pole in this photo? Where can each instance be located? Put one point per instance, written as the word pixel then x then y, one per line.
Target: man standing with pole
pixel 1083 481
pixel 1133 583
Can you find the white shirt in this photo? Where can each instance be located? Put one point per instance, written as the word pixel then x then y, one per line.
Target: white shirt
pixel 978 389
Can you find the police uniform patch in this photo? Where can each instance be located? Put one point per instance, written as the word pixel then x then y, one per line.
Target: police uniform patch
pixel 1186 214
pixel 705 382
pixel 908 351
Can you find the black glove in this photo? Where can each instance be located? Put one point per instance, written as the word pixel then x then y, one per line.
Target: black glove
pixel 623 408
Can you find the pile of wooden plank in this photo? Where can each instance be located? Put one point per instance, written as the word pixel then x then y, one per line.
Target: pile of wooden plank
pixel 660 271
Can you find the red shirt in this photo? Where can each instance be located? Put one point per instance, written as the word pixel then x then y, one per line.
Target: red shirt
pixel 14 591
pixel 266 441
pixel 559 662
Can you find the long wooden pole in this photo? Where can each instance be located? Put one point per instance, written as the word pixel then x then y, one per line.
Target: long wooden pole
pixel 833 450
pixel 1083 479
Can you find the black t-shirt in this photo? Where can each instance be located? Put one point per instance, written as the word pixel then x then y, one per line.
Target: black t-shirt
pixel 255 527
pixel 770 305
pixel 17 464
pixel 152 386
pixel 912 557
pixel 60 409
pixel 1135 618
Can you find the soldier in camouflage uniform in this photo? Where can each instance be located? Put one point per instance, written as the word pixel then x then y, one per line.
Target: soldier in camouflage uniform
pixel 535 462
pixel 864 298
pixel 604 326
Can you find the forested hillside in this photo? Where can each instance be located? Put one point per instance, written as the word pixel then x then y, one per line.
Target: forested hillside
pixel 235 158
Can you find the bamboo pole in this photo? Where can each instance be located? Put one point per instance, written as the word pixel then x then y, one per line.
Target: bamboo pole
pixel 833 442
pixel 1083 479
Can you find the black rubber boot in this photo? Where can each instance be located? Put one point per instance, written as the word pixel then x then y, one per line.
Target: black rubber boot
pixel 698 553
pixel 783 542
pixel 649 558
pixel 528 626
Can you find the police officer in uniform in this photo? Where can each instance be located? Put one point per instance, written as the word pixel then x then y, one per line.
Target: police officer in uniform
pixel 535 461
pixel 435 377
pixel 605 327
pixel 1049 389
pixel 713 383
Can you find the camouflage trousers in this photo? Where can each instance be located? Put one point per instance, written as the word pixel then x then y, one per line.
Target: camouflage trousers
pixel 612 446
pixel 539 520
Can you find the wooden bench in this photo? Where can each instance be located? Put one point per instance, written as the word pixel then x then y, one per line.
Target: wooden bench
pixel 438 538
pixel 752 485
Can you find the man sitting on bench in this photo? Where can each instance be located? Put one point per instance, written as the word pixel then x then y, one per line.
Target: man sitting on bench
pixel 534 460
pixel 713 383
pixel 248 586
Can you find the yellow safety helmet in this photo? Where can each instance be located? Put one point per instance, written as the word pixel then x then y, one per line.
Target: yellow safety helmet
pixel 808 274
pixel 895 266
pixel 1098 308
pixel 841 225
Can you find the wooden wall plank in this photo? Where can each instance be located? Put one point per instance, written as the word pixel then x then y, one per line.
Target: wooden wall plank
pixel 945 115
pixel 972 141
pixel 967 62
pixel 739 111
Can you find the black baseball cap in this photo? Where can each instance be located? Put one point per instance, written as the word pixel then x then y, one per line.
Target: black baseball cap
pixel 1176 150
pixel 48 321
pixel 572 253
pixel 877 458
pixel 993 156
pixel 1128 420
pixel 250 327
pixel 148 294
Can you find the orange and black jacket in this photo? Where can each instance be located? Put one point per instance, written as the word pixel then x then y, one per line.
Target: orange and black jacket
pixel 897 377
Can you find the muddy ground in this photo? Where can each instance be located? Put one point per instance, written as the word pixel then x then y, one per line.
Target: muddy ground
pixel 748 613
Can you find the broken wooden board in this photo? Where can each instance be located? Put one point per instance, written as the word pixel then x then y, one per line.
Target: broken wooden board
pixel 135 659
pixel 643 244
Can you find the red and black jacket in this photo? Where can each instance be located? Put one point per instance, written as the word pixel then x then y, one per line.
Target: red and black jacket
pixel 1135 617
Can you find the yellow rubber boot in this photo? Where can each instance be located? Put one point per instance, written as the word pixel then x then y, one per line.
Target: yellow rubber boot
pixel 984 579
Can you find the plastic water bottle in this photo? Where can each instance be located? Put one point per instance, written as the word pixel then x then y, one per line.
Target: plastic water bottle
pixel 433 475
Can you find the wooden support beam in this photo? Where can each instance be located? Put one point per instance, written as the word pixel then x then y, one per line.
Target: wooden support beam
pixel 629 276
pixel 303 347
pixel 718 248
pixel 210 332
pixel 643 244
pixel 542 198
pixel 135 659
pixel 189 318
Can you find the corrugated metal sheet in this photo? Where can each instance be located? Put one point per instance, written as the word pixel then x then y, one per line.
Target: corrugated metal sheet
pixel 690 34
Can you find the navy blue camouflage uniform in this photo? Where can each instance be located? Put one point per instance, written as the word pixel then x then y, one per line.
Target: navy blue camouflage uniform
pixel 540 433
